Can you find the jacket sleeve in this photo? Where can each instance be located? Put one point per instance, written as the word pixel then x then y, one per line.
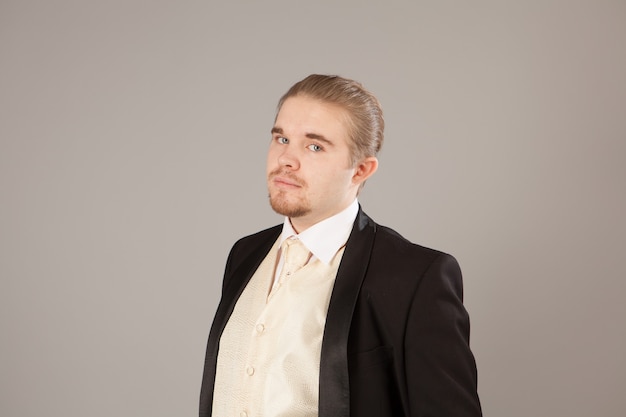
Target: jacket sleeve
pixel 440 367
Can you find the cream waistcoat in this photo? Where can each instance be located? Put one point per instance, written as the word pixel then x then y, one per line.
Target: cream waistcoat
pixel 269 353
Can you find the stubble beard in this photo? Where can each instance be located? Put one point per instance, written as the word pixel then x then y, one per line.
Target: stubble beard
pixel 283 203
pixel 280 204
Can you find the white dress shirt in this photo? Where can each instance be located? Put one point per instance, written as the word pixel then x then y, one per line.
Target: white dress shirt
pixel 324 238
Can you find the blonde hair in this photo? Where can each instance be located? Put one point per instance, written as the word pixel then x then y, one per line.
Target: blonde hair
pixel 365 115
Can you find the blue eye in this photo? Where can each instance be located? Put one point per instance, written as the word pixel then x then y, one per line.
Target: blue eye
pixel 282 140
pixel 315 148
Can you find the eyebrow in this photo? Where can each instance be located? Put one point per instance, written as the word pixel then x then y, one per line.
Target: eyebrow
pixel 319 138
pixel 315 136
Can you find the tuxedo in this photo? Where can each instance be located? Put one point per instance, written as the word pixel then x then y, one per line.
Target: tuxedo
pixel 396 339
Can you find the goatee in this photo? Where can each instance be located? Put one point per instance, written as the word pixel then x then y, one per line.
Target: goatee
pixel 280 205
pixel 282 202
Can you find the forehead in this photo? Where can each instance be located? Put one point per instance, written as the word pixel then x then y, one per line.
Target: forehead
pixel 302 115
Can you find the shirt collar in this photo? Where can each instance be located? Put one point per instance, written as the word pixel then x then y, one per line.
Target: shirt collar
pixel 325 238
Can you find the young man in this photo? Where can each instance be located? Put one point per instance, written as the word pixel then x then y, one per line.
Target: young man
pixel 331 314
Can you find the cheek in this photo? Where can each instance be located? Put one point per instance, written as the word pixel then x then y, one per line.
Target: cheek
pixel 336 182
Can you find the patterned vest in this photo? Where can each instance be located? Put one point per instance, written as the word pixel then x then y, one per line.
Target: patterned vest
pixel 269 353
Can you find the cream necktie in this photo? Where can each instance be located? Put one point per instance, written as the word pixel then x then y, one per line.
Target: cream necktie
pixel 295 255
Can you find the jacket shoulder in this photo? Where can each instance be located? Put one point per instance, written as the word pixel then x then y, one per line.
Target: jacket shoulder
pixel 251 243
pixel 389 238
pixel 261 236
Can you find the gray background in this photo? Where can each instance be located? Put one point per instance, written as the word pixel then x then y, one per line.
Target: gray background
pixel 132 155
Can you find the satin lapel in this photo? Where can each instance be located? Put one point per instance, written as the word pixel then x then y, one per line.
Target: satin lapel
pixel 334 397
pixel 235 284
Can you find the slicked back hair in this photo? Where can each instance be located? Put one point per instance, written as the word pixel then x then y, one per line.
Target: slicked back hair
pixel 365 115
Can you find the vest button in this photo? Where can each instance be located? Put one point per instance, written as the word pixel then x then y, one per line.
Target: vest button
pixel 250 370
pixel 243 414
pixel 260 328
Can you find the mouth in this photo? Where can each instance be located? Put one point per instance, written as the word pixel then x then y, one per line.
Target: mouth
pixel 285 182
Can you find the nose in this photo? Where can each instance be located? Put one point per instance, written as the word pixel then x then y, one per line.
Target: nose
pixel 288 158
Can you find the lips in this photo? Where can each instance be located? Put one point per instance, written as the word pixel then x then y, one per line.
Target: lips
pixel 285 181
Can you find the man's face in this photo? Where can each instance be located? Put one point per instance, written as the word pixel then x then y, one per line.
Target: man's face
pixel 309 175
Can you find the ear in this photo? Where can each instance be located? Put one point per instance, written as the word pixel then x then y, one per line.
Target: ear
pixel 365 169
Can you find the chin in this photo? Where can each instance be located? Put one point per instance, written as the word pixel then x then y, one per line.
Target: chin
pixel 289 209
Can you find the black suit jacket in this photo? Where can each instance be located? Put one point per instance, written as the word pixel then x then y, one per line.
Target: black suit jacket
pixel 396 340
